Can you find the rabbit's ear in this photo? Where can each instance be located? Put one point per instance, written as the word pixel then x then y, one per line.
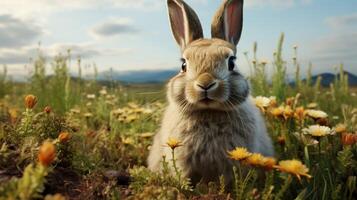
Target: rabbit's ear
pixel 228 21
pixel 185 25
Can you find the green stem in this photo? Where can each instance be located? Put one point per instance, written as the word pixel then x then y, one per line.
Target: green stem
pixel 284 188
pixel 175 166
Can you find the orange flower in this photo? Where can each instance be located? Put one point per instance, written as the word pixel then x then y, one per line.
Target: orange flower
pixel 281 140
pixel 64 137
pixel 47 110
pixel 290 101
pixel 300 113
pixel 348 139
pixel 47 153
pixel 30 101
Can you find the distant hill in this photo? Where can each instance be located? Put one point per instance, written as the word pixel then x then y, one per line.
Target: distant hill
pixel 328 78
pixel 158 76
pixel 143 76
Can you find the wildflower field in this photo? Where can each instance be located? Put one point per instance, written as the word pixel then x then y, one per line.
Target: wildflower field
pixel 74 138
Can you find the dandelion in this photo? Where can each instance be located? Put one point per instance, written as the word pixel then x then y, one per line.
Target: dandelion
pixel 75 111
pixel 340 128
pixel 47 153
pixel 268 163
pixel 348 139
pixel 277 112
pixel 312 105
pixel 255 159
pixel 288 112
pixel 316 114
pixel 239 153
pixel 13 115
pixel 103 92
pixel 128 140
pixel 88 115
pixel 30 101
pixel 63 137
pixel 273 101
pixel 318 131
pixel 294 167
pixel 262 102
pixel 173 143
pixel 90 96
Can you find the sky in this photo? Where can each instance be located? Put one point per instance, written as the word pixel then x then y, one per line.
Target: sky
pixel 135 35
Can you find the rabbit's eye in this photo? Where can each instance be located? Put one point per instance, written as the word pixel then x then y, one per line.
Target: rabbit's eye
pixel 231 63
pixel 184 65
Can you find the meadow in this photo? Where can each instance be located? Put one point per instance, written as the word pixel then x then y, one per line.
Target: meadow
pixel 79 138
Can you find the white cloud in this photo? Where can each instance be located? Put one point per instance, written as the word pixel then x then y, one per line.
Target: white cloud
pixel 343 22
pixel 113 27
pixel 39 8
pixel 83 50
pixel 264 3
pixel 275 3
pixel 16 32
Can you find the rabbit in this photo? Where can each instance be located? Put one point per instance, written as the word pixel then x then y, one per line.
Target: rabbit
pixel 210 109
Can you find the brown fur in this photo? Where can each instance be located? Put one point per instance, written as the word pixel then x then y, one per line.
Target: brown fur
pixel 209 120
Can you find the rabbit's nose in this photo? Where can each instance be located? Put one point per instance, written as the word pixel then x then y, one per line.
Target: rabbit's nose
pixel 207 87
pixel 205 82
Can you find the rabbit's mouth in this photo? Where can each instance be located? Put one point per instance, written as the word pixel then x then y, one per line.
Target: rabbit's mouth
pixel 206 100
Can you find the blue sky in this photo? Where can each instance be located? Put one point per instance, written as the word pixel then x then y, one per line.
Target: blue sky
pixel 135 35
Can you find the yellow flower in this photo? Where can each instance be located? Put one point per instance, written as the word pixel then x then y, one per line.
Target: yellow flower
pixel 273 101
pixel 128 140
pixel 318 131
pixel 288 112
pixel 269 163
pixel 64 137
pixel 277 112
pixel 47 153
pixel 30 101
pixel 255 159
pixel 239 153
pixel 294 167
pixel 340 128
pixel 261 102
pixel 316 114
pixel 13 115
pixel 173 143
